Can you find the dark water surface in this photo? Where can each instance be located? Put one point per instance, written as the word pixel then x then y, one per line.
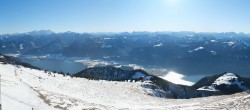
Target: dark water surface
pixel 65 66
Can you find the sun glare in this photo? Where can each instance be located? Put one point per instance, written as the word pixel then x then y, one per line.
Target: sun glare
pixel 176 78
pixel 172 1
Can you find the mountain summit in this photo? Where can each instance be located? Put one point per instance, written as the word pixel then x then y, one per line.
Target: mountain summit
pixel 227 83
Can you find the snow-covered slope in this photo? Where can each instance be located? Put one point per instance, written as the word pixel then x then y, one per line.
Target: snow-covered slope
pixel 24 88
pixel 227 83
pixel 27 88
pixel 229 79
pixel 16 94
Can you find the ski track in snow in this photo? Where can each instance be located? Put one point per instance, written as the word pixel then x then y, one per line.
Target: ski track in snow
pixel 25 88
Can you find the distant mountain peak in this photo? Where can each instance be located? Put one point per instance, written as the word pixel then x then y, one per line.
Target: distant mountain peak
pixel 226 79
pixel 41 32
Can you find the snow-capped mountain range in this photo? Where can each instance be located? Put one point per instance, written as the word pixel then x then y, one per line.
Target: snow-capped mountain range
pixel 187 52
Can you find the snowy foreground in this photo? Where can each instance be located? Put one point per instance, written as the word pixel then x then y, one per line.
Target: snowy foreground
pixel 25 88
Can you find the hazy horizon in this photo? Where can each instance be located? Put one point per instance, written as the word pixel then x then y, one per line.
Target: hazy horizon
pixel 124 15
pixel 119 32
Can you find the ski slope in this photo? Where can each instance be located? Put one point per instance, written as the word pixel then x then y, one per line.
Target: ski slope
pixel 25 88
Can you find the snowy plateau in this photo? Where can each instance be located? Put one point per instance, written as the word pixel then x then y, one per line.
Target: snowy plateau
pixel 26 89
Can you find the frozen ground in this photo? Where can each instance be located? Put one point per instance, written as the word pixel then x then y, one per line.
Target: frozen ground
pixel 24 89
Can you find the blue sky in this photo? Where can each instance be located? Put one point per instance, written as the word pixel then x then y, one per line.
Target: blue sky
pixel 125 15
